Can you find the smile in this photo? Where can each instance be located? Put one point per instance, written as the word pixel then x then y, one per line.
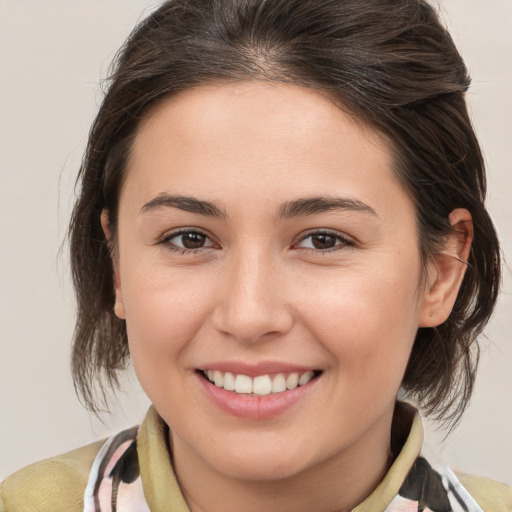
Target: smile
pixel 260 385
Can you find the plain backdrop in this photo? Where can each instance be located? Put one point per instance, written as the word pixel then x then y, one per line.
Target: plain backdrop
pixel 53 55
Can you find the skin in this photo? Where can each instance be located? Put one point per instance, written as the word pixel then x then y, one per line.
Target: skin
pixel 258 289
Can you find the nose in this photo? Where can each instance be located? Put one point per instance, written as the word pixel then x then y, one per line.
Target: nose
pixel 252 300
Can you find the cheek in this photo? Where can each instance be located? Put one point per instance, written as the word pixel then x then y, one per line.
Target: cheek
pixel 367 320
pixel 164 312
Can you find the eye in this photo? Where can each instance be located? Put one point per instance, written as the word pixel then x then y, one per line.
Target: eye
pixel 324 241
pixel 189 240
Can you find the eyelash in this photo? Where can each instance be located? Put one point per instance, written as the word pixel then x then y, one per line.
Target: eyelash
pixel 166 240
pixel 343 242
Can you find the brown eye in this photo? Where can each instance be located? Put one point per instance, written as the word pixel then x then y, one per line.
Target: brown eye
pixel 324 241
pixel 193 240
pixel 188 241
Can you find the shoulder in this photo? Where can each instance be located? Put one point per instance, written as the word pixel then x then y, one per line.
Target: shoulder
pixel 492 496
pixel 53 484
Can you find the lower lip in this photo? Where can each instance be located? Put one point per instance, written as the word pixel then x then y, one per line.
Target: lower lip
pixel 252 406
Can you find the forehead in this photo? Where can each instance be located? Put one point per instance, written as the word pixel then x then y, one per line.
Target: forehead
pixel 256 107
pixel 275 139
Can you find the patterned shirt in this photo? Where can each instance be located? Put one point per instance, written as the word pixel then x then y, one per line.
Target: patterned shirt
pixel 131 472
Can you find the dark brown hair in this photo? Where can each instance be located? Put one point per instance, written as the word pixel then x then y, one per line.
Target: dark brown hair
pixel 389 62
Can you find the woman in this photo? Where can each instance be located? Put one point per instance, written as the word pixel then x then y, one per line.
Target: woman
pixel 281 221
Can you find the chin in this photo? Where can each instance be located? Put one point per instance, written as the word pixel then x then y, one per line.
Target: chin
pixel 257 464
pixel 257 472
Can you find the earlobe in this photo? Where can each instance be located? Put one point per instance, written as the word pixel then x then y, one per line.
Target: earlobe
pixel 446 271
pixel 119 310
pixel 119 306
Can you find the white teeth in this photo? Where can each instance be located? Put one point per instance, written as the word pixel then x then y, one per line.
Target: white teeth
pixel 305 378
pixel 229 382
pixel 261 385
pixel 278 383
pixel 292 381
pixel 218 378
pixel 243 384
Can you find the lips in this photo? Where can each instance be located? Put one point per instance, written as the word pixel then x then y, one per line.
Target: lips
pixel 256 392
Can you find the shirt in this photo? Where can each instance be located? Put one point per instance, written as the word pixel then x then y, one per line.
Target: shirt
pixel 132 472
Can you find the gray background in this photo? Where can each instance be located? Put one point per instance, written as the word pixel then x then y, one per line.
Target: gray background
pixel 52 56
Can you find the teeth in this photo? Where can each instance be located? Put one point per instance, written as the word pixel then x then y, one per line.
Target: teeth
pixel 229 382
pixel 278 383
pixel 261 385
pixel 243 384
pixel 218 378
pixel 305 378
pixel 292 381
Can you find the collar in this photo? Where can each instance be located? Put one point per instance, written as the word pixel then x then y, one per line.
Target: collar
pixel 161 488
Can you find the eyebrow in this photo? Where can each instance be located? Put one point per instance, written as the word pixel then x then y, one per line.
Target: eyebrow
pixel 187 204
pixel 297 208
pixel 312 205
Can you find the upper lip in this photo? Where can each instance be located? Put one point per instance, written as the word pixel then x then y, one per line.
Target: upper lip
pixel 255 369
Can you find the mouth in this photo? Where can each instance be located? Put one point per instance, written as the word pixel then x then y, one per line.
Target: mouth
pixel 260 385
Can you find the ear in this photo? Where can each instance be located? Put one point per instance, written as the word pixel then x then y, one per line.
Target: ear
pixel 119 305
pixel 447 270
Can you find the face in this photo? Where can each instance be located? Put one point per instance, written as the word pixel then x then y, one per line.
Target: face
pixel 264 239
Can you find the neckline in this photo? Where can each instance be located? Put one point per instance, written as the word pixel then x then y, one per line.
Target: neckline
pixel 162 491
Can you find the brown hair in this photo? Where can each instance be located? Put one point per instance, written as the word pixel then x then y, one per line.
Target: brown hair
pixel 389 62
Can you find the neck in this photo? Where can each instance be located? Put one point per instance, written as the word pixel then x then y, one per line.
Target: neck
pixel 337 484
